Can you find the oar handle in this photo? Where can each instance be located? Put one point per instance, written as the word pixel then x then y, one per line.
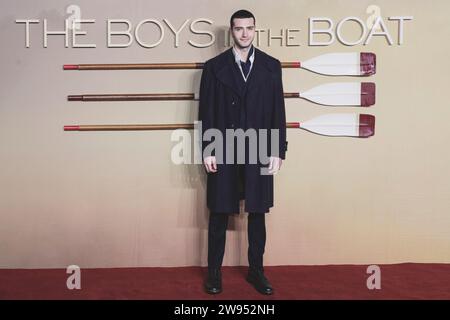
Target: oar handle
pixel 133 66
pixel 133 97
pixel 125 127
pixel 147 96
pixel 151 66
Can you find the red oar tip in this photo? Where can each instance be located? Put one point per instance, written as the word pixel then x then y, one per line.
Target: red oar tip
pixel 368 63
pixel 70 67
pixel 367 94
pixel 366 125
pixel 71 128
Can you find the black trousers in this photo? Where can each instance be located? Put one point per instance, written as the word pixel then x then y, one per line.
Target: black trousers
pixel 218 223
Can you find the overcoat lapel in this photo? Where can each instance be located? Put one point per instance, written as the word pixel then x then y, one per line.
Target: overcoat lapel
pixel 228 74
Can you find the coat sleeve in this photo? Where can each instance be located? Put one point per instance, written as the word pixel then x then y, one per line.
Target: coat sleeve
pixel 206 103
pixel 279 114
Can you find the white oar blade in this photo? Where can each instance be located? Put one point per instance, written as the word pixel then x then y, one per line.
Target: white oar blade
pixel 343 64
pixel 342 124
pixel 342 94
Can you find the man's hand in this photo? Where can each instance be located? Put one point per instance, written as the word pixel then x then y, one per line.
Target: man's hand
pixel 210 164
pixel 274 165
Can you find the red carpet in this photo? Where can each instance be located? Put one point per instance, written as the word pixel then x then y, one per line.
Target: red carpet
pixel 399 281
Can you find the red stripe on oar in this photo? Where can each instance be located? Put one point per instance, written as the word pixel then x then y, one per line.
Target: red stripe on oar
pixel 367 63
pixel 366 125
pixel 367 94
pixel 70 67
pixel 293 125
pixel 290 64
pixel 71 128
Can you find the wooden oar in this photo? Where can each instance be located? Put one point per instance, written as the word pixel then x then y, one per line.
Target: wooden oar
pixel 332 94
pixel 351 64
pixel 338 124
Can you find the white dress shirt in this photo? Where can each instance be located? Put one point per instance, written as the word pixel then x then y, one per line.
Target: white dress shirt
pixel 237 58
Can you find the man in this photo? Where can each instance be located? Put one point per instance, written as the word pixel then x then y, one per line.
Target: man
pixel 241 88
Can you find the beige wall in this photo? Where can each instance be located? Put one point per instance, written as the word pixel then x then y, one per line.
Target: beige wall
pixel 114 199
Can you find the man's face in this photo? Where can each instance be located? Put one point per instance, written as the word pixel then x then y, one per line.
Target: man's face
pixel 243 32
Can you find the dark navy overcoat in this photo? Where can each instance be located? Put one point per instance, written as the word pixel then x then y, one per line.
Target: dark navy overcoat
pixel 229 102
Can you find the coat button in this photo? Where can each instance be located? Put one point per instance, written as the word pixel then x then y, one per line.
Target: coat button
pixel 233 103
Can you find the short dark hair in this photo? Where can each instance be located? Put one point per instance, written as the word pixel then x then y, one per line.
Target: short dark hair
pixel 241 14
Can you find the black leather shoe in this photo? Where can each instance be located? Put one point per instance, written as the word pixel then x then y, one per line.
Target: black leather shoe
pixel 259 281
pixel 213 284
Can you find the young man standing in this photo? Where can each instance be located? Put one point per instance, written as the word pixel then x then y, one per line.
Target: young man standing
pixel 241 88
